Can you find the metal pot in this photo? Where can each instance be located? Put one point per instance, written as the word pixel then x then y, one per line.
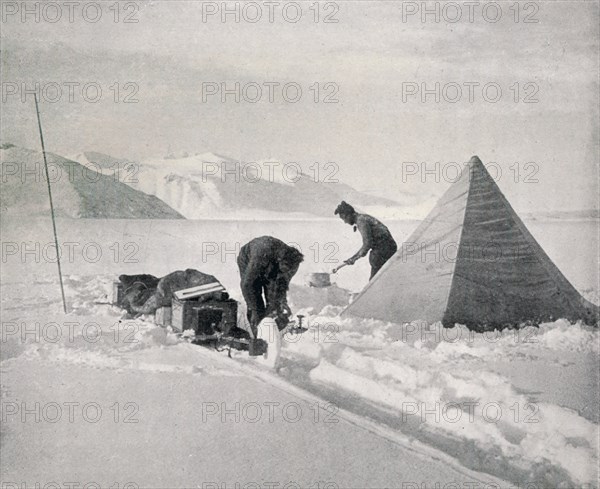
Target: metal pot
pixel 318 279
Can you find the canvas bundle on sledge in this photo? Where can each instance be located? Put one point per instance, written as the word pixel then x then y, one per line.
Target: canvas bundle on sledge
pixel 144 294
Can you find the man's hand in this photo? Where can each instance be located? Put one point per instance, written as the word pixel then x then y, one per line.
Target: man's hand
pixel 282 315
pixel 350 261
pixel 284 310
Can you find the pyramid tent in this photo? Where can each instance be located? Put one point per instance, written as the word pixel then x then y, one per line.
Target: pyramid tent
pixel 471 261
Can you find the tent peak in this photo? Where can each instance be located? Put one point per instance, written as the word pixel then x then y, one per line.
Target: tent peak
pixel 475 160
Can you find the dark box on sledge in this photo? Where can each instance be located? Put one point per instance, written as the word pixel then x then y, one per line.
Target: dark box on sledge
pixel 204 317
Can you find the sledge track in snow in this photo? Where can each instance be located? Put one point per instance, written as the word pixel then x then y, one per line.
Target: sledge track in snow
pixel 416 447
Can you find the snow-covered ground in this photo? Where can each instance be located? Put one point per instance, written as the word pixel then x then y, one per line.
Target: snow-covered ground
pixel 127 401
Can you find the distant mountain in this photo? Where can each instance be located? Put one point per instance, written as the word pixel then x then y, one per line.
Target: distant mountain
pixel 210 185
pixel 100 161
pixel 563 215
pixel 77 191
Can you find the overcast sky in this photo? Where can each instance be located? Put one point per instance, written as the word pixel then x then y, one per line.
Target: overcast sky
pixel 369 57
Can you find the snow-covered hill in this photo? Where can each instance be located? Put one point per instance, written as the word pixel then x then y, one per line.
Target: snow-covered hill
pixel 78 191
pixel 209 185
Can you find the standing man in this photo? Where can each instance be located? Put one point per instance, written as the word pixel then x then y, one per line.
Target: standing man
pixel 267 266
pixel 376 237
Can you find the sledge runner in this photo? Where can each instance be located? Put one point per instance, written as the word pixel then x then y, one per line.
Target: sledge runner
pixel 376 237
pixel 267 266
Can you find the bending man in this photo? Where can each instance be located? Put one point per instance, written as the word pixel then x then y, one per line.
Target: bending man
pixel 376 237
pixel 267 266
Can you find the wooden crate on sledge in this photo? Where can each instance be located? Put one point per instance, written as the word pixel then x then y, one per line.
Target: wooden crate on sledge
pixel 204 317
